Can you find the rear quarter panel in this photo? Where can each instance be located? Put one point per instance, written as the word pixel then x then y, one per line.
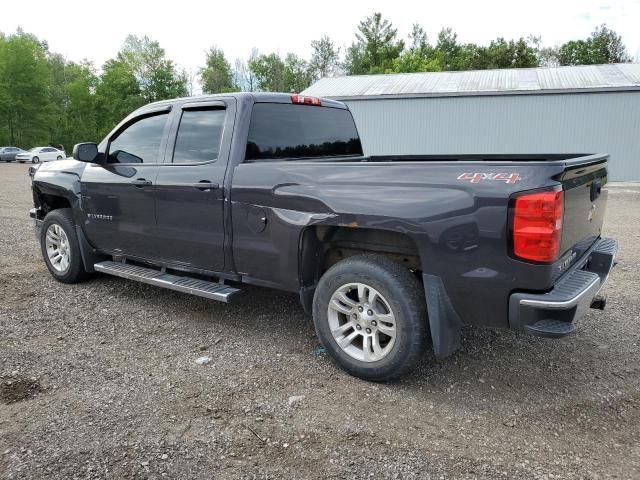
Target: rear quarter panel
pixel 459 227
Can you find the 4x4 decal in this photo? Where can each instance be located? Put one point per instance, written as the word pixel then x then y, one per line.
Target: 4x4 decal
pixel 499 177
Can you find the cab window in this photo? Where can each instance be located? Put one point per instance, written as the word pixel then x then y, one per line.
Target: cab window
pixel 199 136
pixel 139 142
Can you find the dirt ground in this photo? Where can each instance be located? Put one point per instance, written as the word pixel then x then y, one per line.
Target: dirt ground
pixel 99 380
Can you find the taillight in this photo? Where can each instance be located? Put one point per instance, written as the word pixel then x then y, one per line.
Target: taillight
pixel 537 225
pixel 302 99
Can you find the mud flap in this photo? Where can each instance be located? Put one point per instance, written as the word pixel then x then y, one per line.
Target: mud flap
pixel 89 254
pixel 444 322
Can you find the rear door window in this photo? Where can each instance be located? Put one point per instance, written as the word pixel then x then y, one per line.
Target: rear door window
pixel 291 131
pixel 199 136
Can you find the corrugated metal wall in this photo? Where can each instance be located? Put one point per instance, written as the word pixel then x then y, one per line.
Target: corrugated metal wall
pixel 564 123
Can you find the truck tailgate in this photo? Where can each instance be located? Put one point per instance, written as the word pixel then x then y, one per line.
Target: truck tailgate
pixel 584 201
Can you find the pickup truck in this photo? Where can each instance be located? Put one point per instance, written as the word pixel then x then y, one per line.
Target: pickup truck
pixel 389 254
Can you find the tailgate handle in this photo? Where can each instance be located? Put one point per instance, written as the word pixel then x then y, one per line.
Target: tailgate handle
pixel 596 188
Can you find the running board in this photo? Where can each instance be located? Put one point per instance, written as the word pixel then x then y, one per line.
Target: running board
pixel 192 286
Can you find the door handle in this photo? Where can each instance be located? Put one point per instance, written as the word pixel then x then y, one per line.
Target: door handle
pixel 141 182
pixel 205 185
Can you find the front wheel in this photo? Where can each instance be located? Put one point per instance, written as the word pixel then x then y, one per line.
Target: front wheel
pixel 370 315
pixel 59 157
pixel 60 247
pixel 35 160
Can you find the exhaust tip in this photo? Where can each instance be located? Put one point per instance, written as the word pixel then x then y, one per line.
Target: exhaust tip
pixel 599 302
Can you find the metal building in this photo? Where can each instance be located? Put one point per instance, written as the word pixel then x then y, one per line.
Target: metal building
pixel 590 109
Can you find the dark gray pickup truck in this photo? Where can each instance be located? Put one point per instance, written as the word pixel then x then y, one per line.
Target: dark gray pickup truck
pixel 389 254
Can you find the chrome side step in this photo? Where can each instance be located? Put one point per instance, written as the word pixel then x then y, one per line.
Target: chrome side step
pixel 192 286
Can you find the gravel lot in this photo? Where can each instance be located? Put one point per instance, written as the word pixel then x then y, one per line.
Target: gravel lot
pixel 99 380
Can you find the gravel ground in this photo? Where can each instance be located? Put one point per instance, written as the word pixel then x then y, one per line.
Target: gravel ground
pixel 99 380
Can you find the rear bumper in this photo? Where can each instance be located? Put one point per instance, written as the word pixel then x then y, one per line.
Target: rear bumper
pixel 553 314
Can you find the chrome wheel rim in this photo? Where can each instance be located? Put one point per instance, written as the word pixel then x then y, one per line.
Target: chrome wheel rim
pixel 58 249
pixel 362 322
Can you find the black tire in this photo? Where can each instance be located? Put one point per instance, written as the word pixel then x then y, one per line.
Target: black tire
pixel 405 297
pixel 59 157
pixel 35 160
pixel 75 272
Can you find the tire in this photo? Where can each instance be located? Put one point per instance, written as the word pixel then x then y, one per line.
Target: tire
pixel 35 160
pixel 58 221
pixel 396 291
pixel 59 157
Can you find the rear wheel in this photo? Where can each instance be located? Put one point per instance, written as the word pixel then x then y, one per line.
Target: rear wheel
pixel 60 247
pixel 35 160
pixel 369 314
pixel 59 157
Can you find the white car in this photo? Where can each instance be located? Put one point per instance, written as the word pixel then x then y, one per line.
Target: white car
pixel 41 154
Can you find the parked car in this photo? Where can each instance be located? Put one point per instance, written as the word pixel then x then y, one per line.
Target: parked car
pixel 41 154
pixel 202 195
pixel 8 154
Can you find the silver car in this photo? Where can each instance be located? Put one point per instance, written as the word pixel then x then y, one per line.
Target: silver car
pixel 8 154
pixel 41 154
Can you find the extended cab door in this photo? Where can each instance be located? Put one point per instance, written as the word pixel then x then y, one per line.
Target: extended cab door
pixel 190 186
pixel 118 196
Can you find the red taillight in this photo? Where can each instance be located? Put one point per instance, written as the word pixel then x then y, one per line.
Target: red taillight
pixel 302 99
pixel 537 226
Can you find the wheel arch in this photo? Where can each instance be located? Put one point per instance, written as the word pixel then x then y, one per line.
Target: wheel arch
pixel 321 246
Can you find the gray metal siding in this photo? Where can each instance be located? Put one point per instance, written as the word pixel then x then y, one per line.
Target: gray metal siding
pixel 543 80
pixel 563 123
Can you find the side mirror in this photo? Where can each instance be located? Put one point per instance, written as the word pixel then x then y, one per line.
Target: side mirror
pixel 85 152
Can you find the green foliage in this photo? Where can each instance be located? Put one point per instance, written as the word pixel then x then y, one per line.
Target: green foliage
pixel 156 75
pixel 419 57
pixel 217 76
pixel 503 54
pixel 118 93
pixel 25 81
pixel 72 102
pixel 269 72
pixel 273 74
pixel 603 46
pixel 325 58
pixel 376 47
pixel 296 75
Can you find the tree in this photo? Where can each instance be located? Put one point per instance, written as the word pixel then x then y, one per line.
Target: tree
pixel 548 57
pixel 501 53
pixel 72 103
pixel 117 94
pixel 296 74
pixel 269 72
pixel 244 77
pixel 375 48
pixel 156 75
pixel 216 76
pixel 325 58
pixel 451 54
pixel 603 46
pixel 25 79
pixel 420 56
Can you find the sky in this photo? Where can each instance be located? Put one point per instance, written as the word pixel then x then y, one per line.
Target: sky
pixel 185 29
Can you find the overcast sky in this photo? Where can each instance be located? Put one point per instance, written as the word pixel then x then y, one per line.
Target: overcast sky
pixel 96 30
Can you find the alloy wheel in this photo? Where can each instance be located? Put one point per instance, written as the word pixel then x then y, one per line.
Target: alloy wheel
pixel 362 322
